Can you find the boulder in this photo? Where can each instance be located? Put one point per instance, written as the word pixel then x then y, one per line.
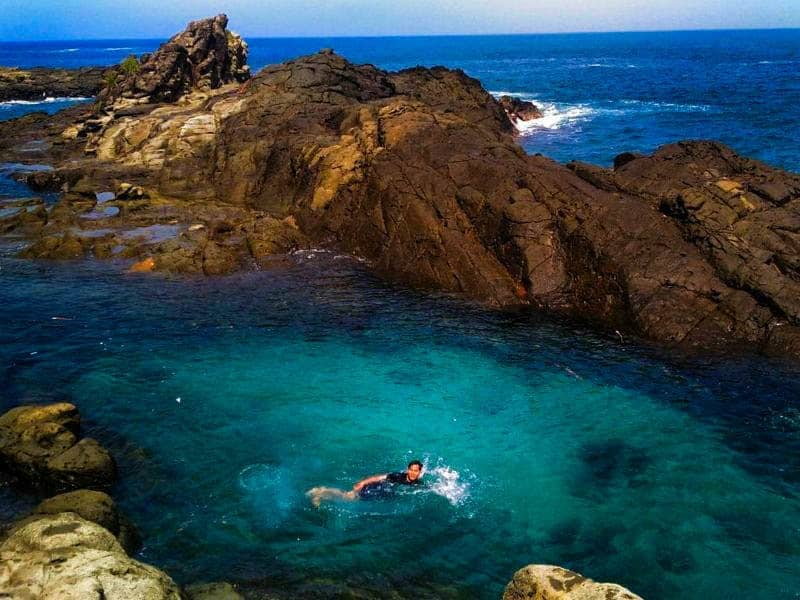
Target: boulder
pixel 94 506
pixel 547 582
pixel 97 507
pixel 66 557
pixel 40 445
pixel 520 110
pixel 22 214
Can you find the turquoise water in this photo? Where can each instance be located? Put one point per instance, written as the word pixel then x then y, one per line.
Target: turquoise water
pixel 225 399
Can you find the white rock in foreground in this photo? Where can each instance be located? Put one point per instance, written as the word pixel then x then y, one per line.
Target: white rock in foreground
pixel 65 557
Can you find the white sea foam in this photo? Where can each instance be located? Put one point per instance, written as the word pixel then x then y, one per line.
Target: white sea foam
pixel 120 48
pixel 64 50
pixel 48 100
pixel 448 484
pixel 560 115
pixel 556 116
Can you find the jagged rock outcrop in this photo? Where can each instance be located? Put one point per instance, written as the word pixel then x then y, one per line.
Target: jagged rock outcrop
pixel 418 171
pixel 41 445
pixel 519 110
pixel 38 83
pixel 63 556
pixel 203 56
pixel 547 582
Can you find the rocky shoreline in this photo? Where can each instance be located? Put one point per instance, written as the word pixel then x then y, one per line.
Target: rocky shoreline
pixel 77 544
pixel 187 164
pixel 38 83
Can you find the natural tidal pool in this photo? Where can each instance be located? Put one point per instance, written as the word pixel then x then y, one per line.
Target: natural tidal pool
pixel 225 399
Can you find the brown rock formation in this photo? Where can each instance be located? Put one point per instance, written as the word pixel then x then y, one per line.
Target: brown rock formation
pixel 418 172
pixel 519 110
pixel 203 56
pixel 39 83
pixel 546 582
pixel 40 445
pixel 94 506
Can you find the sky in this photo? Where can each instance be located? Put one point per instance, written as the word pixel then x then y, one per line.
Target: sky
pixel 23 20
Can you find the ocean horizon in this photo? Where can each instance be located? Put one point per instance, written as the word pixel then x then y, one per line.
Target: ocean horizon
pixel 601 93
pixel 544 440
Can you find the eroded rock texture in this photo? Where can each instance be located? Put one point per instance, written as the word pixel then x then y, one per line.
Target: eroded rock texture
pixel 418 171
pixel 546 582
pixel 64 557
pixel 203 56
pixel 41 445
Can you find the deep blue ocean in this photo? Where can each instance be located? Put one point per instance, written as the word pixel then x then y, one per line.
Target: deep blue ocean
pixel 224 399
pixel 602 94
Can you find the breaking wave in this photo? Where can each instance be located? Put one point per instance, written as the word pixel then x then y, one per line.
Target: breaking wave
pixel 48 100
pixel 558 115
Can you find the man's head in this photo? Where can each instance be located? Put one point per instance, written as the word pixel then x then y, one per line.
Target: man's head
pixel 414 470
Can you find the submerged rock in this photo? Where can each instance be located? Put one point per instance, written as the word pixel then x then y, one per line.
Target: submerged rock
pixel 63 556
pixel 40 445
pixel 547 582
pixel 212 591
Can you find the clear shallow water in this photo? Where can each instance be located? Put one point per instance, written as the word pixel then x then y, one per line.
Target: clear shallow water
pixel 602 93
pixel 678 477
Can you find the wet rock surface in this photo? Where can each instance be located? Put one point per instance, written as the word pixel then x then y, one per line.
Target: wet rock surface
pixel 547 582
pixel 418 172
pixel 520 110
pixel 41 446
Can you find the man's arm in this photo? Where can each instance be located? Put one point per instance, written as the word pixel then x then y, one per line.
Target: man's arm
pixel 374 479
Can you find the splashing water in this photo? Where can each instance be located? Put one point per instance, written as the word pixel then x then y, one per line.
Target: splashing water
pixel 447 483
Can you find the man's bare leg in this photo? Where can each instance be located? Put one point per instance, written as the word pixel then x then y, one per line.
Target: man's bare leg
pixel 318 494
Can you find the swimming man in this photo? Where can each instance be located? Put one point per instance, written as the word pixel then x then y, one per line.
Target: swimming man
pixel 377 486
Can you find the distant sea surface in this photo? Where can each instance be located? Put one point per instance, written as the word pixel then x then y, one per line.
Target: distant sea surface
pixel 602 94
pixel 225 399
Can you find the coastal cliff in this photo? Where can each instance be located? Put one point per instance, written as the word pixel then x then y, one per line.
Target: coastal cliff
pixel 417 171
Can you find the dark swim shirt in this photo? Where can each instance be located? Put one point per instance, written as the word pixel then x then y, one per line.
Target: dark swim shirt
pixel 384 489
